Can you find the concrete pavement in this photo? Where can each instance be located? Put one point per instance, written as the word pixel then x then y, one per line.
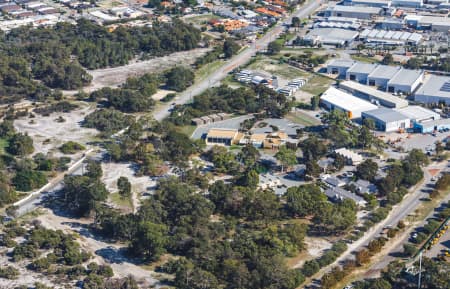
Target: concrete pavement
pixel 238 60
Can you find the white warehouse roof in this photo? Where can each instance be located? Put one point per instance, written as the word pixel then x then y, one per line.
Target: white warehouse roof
pixel 434 89
pixel 419 113
pixel 346 101
pixel 405 77
pixel 359 9
pixel 384 97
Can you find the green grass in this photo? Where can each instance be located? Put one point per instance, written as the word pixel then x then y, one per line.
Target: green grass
pixel 274 67
pixel 317 84
pixel 207 69
pixel 187 129
pixel 3 145
pixel 302 118
pixel 230 81
pixel 365 59
pixel 201 19
pixel 299 49
pixel 122 202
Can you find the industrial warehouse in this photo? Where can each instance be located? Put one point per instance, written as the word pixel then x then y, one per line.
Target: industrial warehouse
pixel 387 78
pixel 389 113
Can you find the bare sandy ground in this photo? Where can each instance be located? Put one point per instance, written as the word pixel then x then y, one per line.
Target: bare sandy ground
pixel 315 248
pixel 48 134
pixel 161 93
pixel 103 253
pixel 139 185
pixel 115 76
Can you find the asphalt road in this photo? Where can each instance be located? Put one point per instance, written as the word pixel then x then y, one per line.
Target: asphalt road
pixel 237 60
pixel 30 203
pixel 444 243
pixel 399 212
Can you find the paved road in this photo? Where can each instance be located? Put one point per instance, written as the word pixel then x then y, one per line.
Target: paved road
pixel 35 199
pixel 237 60
pixel 399 212
pixel 444 243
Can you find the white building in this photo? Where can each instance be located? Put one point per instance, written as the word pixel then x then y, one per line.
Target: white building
pixel 339 66
pixel 368 3
pixel 388 120
pixel 381 75
pixel 435 89
pixel 360 72
pixel 353 106
pixel 418 114
pixel 350 157
pixel 406 81
pixel 359 12
pixel 373 95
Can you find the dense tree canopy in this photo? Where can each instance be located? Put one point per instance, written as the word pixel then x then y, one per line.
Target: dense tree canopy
pixel 226 99
pixel 59 55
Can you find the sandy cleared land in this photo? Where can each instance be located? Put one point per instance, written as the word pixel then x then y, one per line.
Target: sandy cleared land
pixel 104 253
pixel 161 93
pixel 42 128
pixel 139 185
pixel 315 248
pixel 117 75
pixel 27 277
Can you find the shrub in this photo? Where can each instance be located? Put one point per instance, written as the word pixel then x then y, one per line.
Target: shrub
pixel 409 250
pixel 310 268
pixel 9 272
pixel 71 147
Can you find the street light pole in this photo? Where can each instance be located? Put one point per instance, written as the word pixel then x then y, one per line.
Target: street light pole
pixel 420 270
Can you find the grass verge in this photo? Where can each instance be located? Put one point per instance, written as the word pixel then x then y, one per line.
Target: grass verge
pixel 122 202
pixel 302 118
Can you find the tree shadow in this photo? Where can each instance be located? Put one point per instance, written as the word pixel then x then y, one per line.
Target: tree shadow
pixel 113 255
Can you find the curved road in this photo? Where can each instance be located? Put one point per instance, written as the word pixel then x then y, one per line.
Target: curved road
pixel 238 60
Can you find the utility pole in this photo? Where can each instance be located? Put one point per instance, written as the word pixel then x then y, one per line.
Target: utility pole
pixel 420 270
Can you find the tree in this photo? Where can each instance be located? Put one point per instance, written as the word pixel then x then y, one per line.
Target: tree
pixel 250 179
pixel 409 250
pixel 286 157
pixel 94 170
pixel 149 241
pixel 443 182
pixel 230 47
pixel 179 78
pixel 20 145
pixel 223 160
pixel 388 59
pixel 82 193
pixel 367 170
pixel 249 155
pixel 313 148
pixel 26 180
pixel 7 128
pixel 315 101
pixel 313 169
pixel 310 268
pixel 124 186
pixel 296 22
pixel 304 200
pixel 274 47
pixel 362 257
pixel 439 148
